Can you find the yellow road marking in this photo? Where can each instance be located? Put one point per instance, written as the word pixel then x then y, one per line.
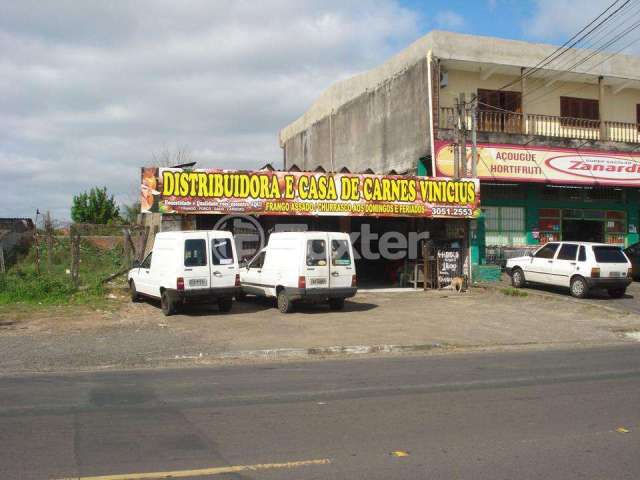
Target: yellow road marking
pixel 203 471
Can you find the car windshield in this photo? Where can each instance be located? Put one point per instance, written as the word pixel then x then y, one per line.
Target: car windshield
pixel 609 255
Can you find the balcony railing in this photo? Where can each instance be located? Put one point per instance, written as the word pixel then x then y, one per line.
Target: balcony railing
pixel 547 125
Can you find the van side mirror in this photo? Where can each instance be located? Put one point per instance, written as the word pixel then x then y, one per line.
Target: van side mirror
pixel 136 264
pixel 530 253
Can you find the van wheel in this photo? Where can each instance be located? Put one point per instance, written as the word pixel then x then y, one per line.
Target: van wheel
pixel 517 278
pixel 167 304
pixel 225 304
pixel 336 303
pixel 133 292
pixel 617 292
pixel 579 288
pixel 284 304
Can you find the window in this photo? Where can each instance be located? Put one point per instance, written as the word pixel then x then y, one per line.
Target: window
pixel 548 251
pixel 146 263
pixel 568 251
pixel 609 255
pixel 504 226
pixel 316 253
pixel 195 253
pixel 584 108
pixel 221 251
pixel 340 253
pixel 495 111
pixel 258 260
pixel 582 256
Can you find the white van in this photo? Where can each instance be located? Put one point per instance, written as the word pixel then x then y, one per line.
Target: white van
pixel 579 266
pixel 188 265
pixel 302 266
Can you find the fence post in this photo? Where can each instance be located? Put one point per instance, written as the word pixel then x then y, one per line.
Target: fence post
pixel 74 238
pixel 2 265
pixel 48 231
pixel 140 255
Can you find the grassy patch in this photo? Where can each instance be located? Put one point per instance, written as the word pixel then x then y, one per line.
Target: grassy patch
pixel 514 292
pixel 53 286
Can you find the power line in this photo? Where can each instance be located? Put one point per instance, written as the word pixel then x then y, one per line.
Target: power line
pixel 623 34
pixel 591 44
pixel 566 47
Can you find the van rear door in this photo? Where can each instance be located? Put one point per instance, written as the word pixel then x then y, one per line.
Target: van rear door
pixel 196 261
pixel 224 263
pixel 341 265
pixel 316 267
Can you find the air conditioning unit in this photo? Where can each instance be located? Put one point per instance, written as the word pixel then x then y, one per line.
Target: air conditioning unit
pixel 444 78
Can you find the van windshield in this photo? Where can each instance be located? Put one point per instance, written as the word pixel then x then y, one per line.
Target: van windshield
pixel 221 251
pixel 609 255
pixel 195 253
pixel 316 253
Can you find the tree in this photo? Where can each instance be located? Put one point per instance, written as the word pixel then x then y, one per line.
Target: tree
pixel 131 212
pixel 95 206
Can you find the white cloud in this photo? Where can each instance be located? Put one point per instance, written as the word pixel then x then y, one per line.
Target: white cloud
pixel 449 20
pixel 91 91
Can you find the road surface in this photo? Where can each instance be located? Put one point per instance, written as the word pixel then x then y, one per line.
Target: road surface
pixel 532 414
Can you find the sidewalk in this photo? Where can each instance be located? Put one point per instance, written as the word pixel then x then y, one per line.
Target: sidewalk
pixel 137 335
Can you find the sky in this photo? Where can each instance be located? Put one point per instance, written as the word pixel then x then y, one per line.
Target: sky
pixel 91 91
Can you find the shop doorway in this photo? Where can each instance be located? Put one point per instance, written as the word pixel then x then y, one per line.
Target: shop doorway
pixel 583 231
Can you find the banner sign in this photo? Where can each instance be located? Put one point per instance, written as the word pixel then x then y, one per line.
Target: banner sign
pixel 549 165
pixel 172 190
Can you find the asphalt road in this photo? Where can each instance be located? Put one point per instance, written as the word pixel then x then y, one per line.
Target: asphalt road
pixel 545 414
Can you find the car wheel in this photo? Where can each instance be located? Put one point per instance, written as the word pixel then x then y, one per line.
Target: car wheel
pixel 284 304
pixel 167 304
pixel 579 288
pixel 517 278
pixel 336 303
pixel 225 304
pixel 617 292
pixel 133 292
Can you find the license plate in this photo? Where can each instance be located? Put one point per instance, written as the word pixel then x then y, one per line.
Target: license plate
pixel 616 274
pixel 198 282
pixel 318 281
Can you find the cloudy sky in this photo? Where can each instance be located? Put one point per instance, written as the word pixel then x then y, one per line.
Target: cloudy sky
pixel 92 90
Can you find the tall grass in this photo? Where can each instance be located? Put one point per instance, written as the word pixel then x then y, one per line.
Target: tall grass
pixel 53 286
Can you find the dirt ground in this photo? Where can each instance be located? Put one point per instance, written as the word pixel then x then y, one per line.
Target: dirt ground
pixel 127 335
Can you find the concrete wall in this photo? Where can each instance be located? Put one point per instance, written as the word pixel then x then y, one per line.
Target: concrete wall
pixel 383 129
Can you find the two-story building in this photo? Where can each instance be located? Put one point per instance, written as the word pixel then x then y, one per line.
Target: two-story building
pixel 558 146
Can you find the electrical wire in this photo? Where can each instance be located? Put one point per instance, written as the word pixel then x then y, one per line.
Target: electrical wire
pixel 588 57
pixel 534 100
pixel 567 46
pixel 592 44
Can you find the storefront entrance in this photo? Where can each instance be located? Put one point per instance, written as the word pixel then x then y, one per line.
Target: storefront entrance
pixel 583 230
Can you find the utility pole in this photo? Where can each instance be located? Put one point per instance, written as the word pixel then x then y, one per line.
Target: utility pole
pixel 474 136
pixel 463 136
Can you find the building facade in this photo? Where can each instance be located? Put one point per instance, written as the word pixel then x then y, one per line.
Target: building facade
pixel 558 146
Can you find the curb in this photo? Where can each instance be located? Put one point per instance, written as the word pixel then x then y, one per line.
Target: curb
pixel 276 353
pixel 568 298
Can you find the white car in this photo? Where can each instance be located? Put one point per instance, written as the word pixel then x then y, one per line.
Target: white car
pixel 302 266
pixel 188 266
pixel 579 266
